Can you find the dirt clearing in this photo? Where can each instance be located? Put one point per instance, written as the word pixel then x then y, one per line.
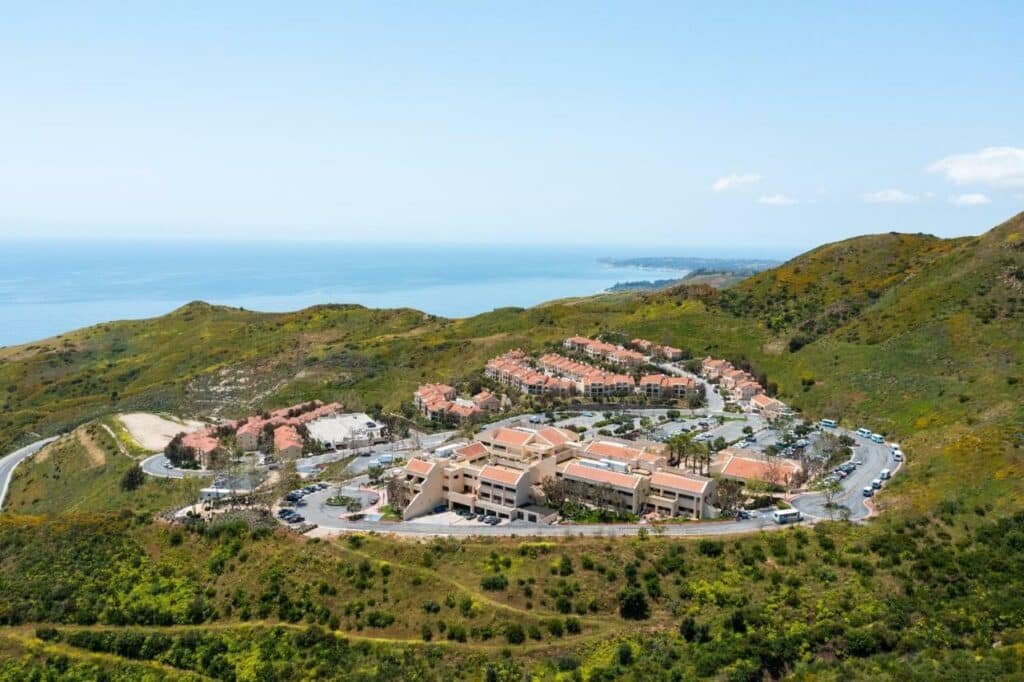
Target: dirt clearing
pixel 153 431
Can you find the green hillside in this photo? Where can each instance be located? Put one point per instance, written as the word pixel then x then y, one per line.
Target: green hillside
pixel 909 333
pixel 916 337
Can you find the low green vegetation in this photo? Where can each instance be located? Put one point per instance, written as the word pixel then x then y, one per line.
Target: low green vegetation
pixel 909 598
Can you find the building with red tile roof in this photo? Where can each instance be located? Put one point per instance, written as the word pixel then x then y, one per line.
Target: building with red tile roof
pixel 710 368
pixel 287 442
pixel 767 407
pixel 777 471
pixel 662 386
pixel 501 472
pixel 674 493
pixel 204 446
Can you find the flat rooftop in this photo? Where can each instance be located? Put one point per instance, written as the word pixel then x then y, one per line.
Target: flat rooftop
pixel 338 428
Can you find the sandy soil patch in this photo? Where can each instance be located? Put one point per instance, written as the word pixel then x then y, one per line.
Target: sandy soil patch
pixel 97 457
pixel 153 431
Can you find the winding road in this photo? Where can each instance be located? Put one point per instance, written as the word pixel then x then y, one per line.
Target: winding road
pixel 8 463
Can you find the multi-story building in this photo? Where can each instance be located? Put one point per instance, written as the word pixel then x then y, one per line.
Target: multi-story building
pixel 711 368
pixel 768 407
pixel 247 433
pixel 608 351
pixel 746 468
pixel 503 471
pixel 662 386
pixel 287 442
pixel 513 371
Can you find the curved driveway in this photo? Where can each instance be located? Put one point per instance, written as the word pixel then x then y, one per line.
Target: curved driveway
pixel 156 466
pixel 8 463
pixel 875 457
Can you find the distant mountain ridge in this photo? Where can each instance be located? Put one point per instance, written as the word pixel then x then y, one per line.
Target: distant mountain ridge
pixel 738 265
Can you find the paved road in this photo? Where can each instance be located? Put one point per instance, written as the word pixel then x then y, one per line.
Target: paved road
pixel 875 457
pixel 9 463
pixel 154 466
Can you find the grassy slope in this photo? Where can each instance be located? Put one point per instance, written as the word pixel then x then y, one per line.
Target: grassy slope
pixel 82 472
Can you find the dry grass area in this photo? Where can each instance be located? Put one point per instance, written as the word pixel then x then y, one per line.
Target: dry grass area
pixel 93 452
pixel 153 431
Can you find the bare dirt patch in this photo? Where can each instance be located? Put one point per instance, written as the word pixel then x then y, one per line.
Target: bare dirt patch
pixel 153 431
pixel 97 457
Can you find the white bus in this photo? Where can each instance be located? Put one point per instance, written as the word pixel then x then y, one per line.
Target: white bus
pixel 829 423
pixel 864 433
pixel 782 516
pixel 885 474
pixel 877 438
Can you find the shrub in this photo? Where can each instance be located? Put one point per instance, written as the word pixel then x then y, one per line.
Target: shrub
pixel 132 478
pixel 514 633
pixel 379 619
pixel 633 604
pixel 494 583
pixel 710 548
pixel 555 627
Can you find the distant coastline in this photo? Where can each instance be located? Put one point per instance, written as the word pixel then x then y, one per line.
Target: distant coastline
pixel 691 263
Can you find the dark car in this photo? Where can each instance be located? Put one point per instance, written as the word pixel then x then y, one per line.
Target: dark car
pixel 743 514
pixel 297 518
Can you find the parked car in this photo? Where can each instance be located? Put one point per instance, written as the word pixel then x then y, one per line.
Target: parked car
pixel 869 492
pixel 743 514
pixel 298 518
pixel 876 484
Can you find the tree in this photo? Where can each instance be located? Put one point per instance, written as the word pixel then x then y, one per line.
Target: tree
pixel 556 491
pixel 729 495
pixel 288 479
pixel 633 604
pixel 772 467
pixel 375 471
pixel 397 493
pixel 829 490
pixel 132 478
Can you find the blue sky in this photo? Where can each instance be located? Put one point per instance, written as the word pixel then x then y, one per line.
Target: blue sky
pixel 776 125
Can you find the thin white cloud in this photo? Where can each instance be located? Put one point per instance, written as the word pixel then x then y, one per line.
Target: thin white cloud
pixel 735 181
pixel 992 166
pixel 969 200
pixel 777 200
pixel 889 196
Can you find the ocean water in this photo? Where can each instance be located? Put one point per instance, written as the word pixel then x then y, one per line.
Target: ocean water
pixel 49 288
